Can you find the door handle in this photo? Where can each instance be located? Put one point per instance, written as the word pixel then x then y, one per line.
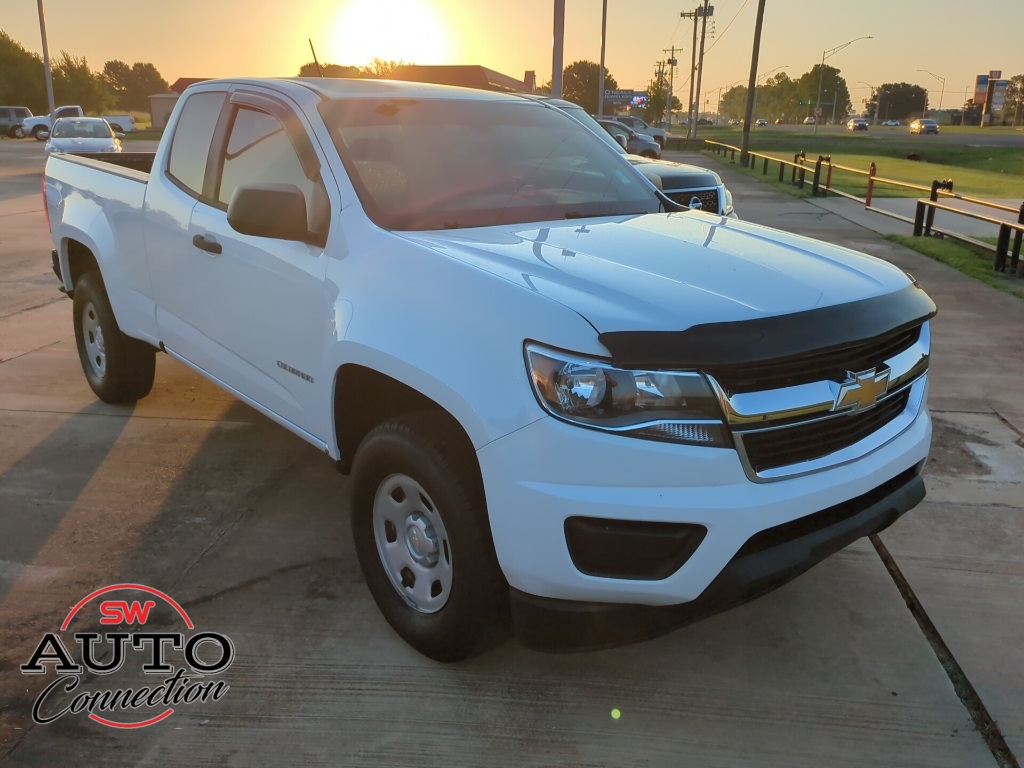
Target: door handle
pixel 207 243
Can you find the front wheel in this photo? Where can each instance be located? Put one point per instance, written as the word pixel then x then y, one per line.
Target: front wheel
pixel 649 153
pixel 420 529
pixel 37 132
pixel 119 369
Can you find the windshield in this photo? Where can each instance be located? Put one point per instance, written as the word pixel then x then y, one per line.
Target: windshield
pixel 584 117
pixel 451 163
pixel 81 129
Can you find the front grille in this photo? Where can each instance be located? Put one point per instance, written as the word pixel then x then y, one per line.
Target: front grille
pixel 822 365
pixel 708 198
pixel 771 448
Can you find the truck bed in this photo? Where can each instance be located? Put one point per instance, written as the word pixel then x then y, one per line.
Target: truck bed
pixel 136 161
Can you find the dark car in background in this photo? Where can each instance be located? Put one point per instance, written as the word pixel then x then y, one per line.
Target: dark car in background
pixel 924 125
pixel 857 124
pixel 636 144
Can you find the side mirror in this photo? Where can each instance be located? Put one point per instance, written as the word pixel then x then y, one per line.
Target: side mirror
pixel 621 139
pixel 44 135
pixel 269 210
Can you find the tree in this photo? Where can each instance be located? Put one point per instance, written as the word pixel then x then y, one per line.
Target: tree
pixel 75 83
pixel 117 75
pixel 657 99
pixel 329 70
pixel 381 69
pixel 898 101
pixel 580 83
pixel 1014 105
pixel 22 83
pixel 132 86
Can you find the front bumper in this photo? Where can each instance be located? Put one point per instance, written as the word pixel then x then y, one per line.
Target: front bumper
pixel 766 561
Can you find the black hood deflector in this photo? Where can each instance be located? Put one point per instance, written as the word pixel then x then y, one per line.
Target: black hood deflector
pixel 771 338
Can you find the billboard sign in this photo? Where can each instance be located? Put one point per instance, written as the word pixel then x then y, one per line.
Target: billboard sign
pixel 623 96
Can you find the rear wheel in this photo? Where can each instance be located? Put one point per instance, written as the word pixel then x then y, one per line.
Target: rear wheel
pixel 119 369
pixel 18 132
pixel 420 528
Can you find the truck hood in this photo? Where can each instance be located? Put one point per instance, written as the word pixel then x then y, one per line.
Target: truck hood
pixel 668 271
pixel 669 175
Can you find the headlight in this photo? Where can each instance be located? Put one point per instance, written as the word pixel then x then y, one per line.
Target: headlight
pixel 672 406
pixel 727 209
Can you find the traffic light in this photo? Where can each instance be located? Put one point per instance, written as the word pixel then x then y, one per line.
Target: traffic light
pixel 801 103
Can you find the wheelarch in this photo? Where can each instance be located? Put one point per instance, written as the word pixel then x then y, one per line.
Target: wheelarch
pixel 364 398
pixel 80 260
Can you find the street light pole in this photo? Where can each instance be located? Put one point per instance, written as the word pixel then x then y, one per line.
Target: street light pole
pixel 821 73
pixel 46 62
pixel 942 80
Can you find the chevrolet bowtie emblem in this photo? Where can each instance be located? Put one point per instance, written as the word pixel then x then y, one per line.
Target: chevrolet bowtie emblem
pixel 861 390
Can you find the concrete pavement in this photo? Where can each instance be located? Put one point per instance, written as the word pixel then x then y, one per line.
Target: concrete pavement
pixel 196 494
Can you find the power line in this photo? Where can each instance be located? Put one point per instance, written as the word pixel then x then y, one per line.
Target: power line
pixel 719 37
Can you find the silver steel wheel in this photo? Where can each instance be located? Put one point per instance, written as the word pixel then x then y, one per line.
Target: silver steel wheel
pixel 412 543
pixel 92 336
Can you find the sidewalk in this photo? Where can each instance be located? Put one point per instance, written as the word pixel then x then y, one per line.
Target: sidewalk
pixel 960 551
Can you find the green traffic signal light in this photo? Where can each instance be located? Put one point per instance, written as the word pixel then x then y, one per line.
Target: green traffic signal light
pixel 800 103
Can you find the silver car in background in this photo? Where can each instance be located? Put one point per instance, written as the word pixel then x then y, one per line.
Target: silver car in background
pixel 82 134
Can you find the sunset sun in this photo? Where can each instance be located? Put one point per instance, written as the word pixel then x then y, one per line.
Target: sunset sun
pixel 409 30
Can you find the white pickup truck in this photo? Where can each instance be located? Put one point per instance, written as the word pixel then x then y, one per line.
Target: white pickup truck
pixel 39 126
pixel 568 406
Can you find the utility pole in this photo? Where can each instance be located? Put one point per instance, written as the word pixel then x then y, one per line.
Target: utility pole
pixel 708 10
pixel 700 12
pixel 671 81
pixel 752 87
pixel 695 14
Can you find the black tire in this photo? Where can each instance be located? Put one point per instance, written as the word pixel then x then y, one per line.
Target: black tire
pixel 650 153
pixel 18 132
pixel 119 369
pixel 440 587
pixel 116 128
pixel 660 140
pixel 38 130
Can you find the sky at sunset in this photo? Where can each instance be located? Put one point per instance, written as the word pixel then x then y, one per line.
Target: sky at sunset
pixel 223 38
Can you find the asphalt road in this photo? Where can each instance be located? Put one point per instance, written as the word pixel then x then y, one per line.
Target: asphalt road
pixel 195 494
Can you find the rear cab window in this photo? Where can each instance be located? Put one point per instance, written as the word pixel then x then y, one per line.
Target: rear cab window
pixel 193 136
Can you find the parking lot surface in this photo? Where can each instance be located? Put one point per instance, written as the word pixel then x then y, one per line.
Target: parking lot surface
pixel 246 527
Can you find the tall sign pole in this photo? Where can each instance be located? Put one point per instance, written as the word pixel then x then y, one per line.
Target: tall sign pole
pixel 46 61
pixel 557 49
pixel 604 34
